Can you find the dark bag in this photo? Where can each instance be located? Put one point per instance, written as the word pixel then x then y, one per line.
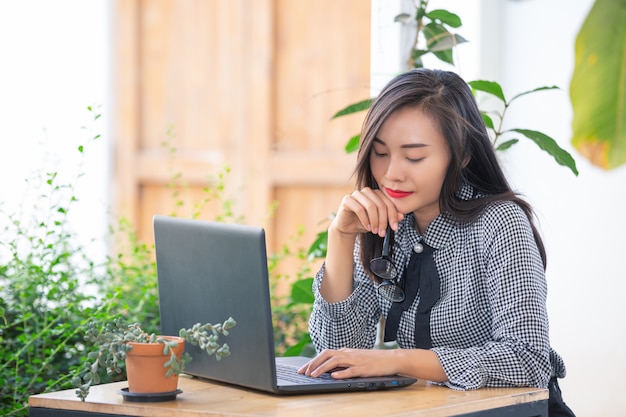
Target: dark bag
pixel 556 405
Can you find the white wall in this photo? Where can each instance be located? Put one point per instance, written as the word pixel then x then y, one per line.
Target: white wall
pixel 55 63
pixel 523 45
pixel 582 218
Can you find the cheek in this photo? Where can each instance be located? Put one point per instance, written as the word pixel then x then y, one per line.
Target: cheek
pixel 435 174
pixel 378 168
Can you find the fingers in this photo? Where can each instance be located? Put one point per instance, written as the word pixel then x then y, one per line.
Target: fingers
pixel 327 361
pixel 340 364
pixel 370 209
pixel 348 363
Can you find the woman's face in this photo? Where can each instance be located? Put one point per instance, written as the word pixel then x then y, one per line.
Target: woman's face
pixel 409 159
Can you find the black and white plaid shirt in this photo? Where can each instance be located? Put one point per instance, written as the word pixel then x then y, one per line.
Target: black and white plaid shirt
pixel 490 326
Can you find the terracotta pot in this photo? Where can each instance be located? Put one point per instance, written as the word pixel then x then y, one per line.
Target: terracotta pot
pixel 145 367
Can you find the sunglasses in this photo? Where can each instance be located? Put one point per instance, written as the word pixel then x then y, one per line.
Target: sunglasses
pixel 384 269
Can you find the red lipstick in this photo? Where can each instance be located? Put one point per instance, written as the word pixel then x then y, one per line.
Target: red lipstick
pixel 397 193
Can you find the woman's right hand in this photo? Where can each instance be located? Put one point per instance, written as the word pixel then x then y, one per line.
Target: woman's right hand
pixel 366 210
pixel 363 211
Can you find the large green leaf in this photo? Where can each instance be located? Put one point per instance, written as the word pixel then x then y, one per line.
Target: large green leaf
pixel 302 292
pixel 598 85
pixel 545 142
pixel 440 42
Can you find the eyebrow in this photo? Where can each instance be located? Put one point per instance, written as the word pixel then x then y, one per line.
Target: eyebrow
pixel 405 146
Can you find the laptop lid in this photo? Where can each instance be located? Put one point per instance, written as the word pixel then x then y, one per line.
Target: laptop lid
pixel 209 271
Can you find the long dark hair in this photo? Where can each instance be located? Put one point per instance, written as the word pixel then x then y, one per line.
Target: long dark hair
pixel 448 100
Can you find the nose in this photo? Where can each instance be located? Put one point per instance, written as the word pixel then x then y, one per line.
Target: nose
pixel 394 171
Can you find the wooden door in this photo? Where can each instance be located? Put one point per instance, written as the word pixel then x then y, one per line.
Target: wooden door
pixel 201 86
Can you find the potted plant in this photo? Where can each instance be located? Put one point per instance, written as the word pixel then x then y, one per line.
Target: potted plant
pixel 152 362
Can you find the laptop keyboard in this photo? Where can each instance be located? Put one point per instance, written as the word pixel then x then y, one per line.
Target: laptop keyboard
pixel 290 373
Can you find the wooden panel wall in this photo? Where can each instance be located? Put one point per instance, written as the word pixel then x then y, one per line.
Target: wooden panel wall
pixel 200 85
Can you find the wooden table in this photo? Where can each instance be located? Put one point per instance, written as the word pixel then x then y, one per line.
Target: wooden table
pixel 202 398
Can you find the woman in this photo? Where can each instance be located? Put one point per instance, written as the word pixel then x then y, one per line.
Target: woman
pixel 463 289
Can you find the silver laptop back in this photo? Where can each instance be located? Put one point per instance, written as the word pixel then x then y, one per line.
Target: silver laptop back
pixel 208 272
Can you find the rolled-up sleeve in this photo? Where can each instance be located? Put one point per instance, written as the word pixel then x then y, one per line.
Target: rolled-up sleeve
pixel 518 350
pixel 348 323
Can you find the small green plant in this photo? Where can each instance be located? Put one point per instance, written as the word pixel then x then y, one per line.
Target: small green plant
pixel 112 344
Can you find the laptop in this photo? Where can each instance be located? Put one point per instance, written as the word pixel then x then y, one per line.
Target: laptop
pixel 209 271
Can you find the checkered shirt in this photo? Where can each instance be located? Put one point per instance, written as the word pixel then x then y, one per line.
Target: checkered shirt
pixel 490 326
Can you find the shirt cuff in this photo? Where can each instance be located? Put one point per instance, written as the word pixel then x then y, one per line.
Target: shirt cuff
pixel 333 311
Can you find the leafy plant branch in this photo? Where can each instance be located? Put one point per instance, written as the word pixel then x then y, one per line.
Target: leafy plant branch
pixel 435 27
pixel 545 142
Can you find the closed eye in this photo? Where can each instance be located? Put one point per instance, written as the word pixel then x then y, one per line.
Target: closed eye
pixel 414 160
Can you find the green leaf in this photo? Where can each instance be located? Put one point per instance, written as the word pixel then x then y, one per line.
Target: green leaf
pixel 506 145
pixel 298 348
pixel 445 56
pixel 440 42
pixel 552 87
pixel 438 38
pixel 545 142
pixel 169 362
pixel 488 120
pixel 598 85
pixel 434 33
pixel 446 43
pixel 354 108
pixel 417 53
pixel 318 247
pixel 353 144
pixel 445 17
pixel 302 291
pixel 489 87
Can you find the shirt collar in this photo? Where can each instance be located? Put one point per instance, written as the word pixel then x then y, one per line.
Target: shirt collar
pixel 437 233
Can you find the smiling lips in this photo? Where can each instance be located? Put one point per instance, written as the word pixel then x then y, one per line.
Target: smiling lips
pixel 397 193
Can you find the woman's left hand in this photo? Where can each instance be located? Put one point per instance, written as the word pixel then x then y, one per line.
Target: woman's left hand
pixel 350 363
